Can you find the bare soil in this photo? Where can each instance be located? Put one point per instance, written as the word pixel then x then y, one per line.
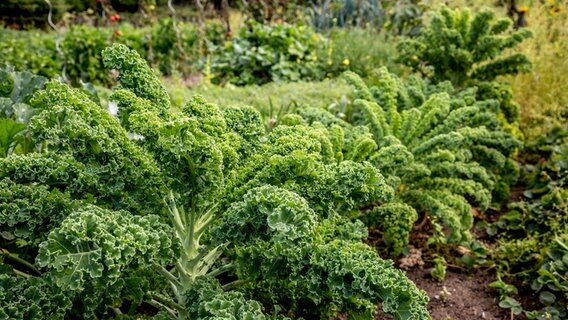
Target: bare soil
pixel 458 297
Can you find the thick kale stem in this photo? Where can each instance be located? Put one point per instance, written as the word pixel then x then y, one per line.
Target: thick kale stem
pixel 234 284
pixel 160 306
pixel 220 270
pixel 21 273
pixel 176 217
pixel 170 277
pixel 205 221
pixel 19 260
pixel 183 276
pixel 168 303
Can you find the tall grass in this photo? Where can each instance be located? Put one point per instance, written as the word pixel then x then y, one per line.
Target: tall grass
pixel 543 93
pixel 359 50
pixel 269 99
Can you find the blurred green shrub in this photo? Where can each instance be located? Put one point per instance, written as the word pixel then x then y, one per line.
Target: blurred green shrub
pixel 264 53
pixel 397 17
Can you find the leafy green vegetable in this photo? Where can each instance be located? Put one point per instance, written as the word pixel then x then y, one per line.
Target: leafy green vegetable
pixel 140 205
pixel 469 52
pixel 439 153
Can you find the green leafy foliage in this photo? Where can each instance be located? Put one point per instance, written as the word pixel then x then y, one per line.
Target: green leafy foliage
pixel 264 53
pixel 298 267
pixel 207 300
pixel 115 210
pixel 33 298
pixel 440 153
pixel 398 17
pixel 75 54
pixel 30 50
pixel 93 250
pixel 265 213
pixel 469 51
pixel 90 140
pixel 9 130
pixel 28 213
pixel 81 47
pixel 533 235
pixel 345 52
pixel 15 91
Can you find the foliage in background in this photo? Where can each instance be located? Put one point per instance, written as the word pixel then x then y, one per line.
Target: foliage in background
pixel 33 51
pixel 359 50
pixel 264 53
pixel 117 209
pixel 258 55
pixel 397 17
pixel 469 51
pixel 543 93
pixel 16 89
pixel 533 247
pixel 273 100
pixel 76 53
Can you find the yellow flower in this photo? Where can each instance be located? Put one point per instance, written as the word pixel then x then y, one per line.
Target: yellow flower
pixel 345 62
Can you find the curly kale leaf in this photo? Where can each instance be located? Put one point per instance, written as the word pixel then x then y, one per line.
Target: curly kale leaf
pixel 30 212
pixel 425 144
pixel 267 212
pixel 208 301
pixel 94 248
pixel 135 75
pixel 396 220
pixel 458 48
pixel 469 52
pixel 299 263
pixel 92 242
pixel 70 124
pixel 32 298
pixel 295 163
pixel 322 279
pixel 247 123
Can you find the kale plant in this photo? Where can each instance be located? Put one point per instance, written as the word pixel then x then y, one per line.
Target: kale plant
pixel 196 214
pixel 441 152
pixel 469 51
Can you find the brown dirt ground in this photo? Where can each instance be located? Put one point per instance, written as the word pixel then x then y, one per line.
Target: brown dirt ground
pixel 458 297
